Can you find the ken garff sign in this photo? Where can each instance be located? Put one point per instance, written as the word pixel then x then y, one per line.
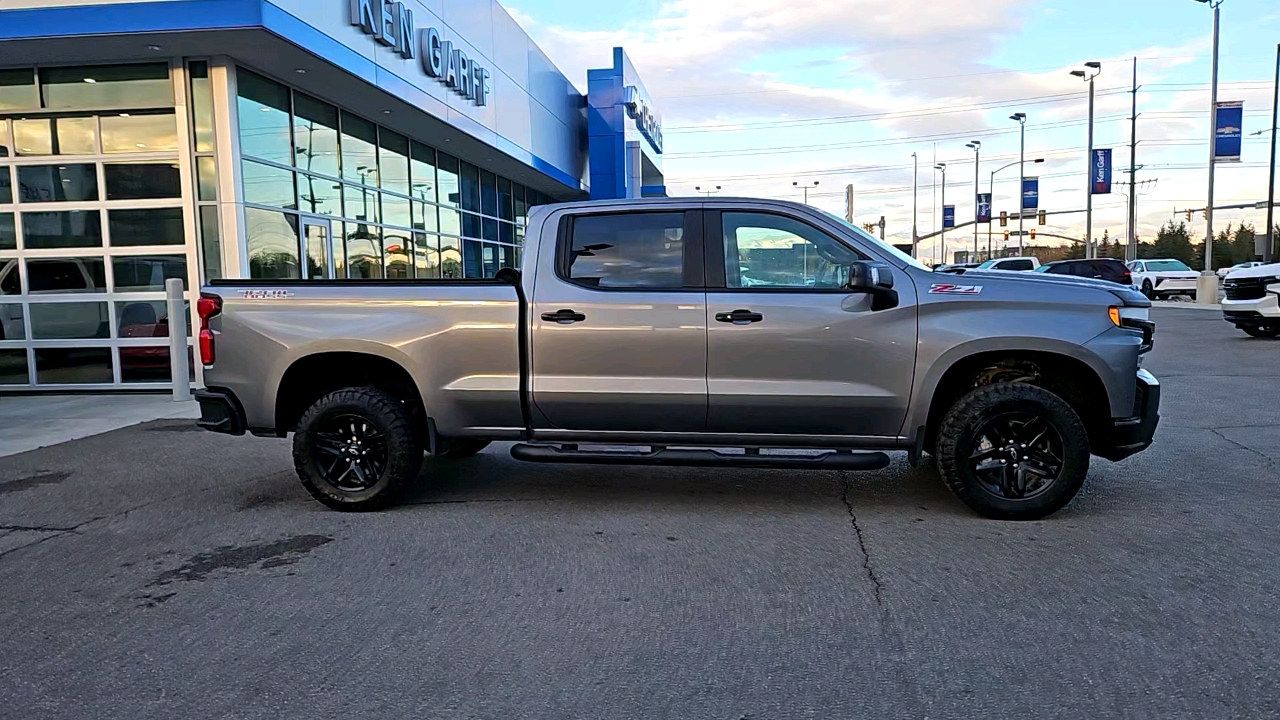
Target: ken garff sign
pixel 1030 193
pixel 984 208
pixel 1227 132
pixel 1100 171
pixel 641 110
pixel 391 24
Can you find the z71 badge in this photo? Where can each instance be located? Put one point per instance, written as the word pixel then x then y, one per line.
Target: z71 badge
pixel 953 289
pixel 264 294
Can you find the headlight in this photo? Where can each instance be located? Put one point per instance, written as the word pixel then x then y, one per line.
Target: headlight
pixel 1134 313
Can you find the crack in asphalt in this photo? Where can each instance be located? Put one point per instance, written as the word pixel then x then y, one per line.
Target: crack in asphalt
pixel 862 544
pixel 55 533
pixel 1270 460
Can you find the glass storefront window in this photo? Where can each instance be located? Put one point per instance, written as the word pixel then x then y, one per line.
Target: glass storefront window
pixel 201 105
pixel 4 139
pixel 507 233
pixel 423 170
pixel 149 364
pixel 206 179
pixel 315 132
pixel 447 180
pixel 143 181
pixel 8 232
pixel 489 228
pixel 398 246
pixel 263 108
pixel 57 183
pixel 147 273
pixel 13 367
pixel 360 204
pixel 159 226
pixel 517 201
pixel 18 89
pixel 272 240
pixel 69 321
pixel 75 228
pixel 450 222
pixel 267 185
pixel 319 196
pixel 6 187
pixel 424 217
pixel 12 326
pixel 139 133
pixel 488 193
pixel 359 150
pixel 470 225
pixel 10 277
pixel 58 366
pixel 393 162
pixel 60 136
pixel 210 242
pixel 395 211
pixel 426 255
pixel 144 318
pixel 450 258
pixel 469 180
pixel 66 275
pixel 504 199
pixel 106 86
pixel 364 251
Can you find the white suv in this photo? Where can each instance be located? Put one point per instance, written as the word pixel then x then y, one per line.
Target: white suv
pixel 1022 264
pixel 1252 301
pixel 1161 277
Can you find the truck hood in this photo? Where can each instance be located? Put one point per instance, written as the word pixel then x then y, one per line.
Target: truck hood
pixel 1261 271
pixel 1128 295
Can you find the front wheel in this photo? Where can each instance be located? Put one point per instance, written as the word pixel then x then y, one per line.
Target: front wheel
pixel 357 449
pixel 1261 331
pixel 1147 290
pixel 1013 452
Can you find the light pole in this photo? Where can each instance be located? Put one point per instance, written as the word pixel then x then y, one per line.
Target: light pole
pixel 991 189
pixel 976 146
pixel 806 187
pixel 1267 256
pixel 1206 291
pixel 708 193
pixel 943 205
pixel 1022 159
pixel 915 184
pixel 1087 76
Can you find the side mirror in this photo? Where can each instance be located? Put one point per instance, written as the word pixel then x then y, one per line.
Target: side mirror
pixel 875 279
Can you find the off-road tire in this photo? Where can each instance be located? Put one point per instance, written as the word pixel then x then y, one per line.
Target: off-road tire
pixel 458 448
pixel 391 420
pixel 1264 331
pixel 956 444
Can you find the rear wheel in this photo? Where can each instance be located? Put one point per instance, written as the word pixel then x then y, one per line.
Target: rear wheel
pixel 1261 331
pixel 459 448
pixel 1013 451
pixel 357 449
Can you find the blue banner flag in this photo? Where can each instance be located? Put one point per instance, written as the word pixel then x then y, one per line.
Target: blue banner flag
pixel 1030 193
pixel 948 216
pixel 984 208
pixel 1100 171
pixel 1227 131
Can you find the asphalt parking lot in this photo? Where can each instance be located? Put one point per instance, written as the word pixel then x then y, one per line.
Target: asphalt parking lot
pixel 157 571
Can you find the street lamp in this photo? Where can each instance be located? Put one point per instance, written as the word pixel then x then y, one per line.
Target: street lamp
pixel 915 184
pixel 806 187
pixel 1207 286
pixel 1088 77
pixel 976 146
pixel 991 188
pixel 1021 118
pixel 943 236
pixel 708 193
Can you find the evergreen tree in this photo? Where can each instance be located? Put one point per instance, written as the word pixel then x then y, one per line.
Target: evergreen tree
pixel 1174 241
pixel 1243 244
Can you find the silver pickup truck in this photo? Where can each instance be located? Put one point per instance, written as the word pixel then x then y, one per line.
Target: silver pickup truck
pixel 726 332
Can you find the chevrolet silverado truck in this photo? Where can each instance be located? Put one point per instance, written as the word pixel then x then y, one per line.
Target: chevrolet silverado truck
pixel 723 333
pixel 1252 300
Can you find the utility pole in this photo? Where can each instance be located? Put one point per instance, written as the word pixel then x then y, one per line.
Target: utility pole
pixel 1267 254
pixel 1088 183
pixel 848 203
pixel 1131 251
pixel 1207 286
pixel 1022 171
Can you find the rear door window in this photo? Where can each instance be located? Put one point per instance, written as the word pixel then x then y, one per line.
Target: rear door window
pixel 627 250
pixel 1016 265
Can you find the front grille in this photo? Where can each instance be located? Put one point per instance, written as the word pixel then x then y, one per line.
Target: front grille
pixel 1246 288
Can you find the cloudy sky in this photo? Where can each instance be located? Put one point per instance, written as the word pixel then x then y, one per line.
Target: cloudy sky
pixel 758 94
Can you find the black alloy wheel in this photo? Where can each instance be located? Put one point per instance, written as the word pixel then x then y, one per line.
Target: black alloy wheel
pixel 1016 456
pixel 353 454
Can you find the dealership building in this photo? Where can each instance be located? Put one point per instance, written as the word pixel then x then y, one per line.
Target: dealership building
pixel 142 140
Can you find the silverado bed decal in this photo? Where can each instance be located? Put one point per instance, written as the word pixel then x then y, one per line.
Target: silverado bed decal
pixel 953 289
pixel 264 294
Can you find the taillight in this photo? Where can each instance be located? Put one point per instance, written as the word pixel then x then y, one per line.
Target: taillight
pixel 208 306
pixel 1127 277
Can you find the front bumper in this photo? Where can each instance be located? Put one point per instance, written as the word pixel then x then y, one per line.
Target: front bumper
pixel 220 411
pixel 1132 435
pixel 1252 313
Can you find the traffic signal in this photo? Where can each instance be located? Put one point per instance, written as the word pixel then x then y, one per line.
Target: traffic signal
pixel 1006 236
pixel 1004 218
pixel 1188 216
pixel 1042 216
pixel 1033 233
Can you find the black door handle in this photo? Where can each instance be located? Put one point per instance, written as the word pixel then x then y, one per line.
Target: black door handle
pixel 564 317
pixel 739 317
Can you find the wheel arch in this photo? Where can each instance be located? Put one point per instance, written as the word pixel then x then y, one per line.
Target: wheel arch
pixel 311 375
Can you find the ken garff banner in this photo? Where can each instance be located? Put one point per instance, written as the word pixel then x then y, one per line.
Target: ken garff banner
pixel 984 207
pixel 1100 171
pixel 1030 193
pixel 948 216
pixel 1227 131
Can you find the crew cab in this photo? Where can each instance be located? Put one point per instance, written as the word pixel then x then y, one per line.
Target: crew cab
pixel 722 332
pixel 1251 300
pixel 1162 278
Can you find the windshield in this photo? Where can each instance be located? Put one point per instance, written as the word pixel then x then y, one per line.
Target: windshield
pixel 1158 265
pixel 864 235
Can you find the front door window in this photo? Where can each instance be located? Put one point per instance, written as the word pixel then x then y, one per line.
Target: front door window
pixel 771 251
